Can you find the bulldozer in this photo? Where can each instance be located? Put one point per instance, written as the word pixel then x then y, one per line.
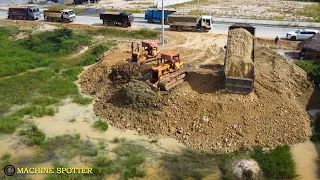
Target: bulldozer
pixel 149 53
pixel 169 71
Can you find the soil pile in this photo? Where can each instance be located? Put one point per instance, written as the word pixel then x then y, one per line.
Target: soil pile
pixel 22 35
pixel 138 95
pixel 44 27
pixel 200 114
pixel 239 61
pixel 123 73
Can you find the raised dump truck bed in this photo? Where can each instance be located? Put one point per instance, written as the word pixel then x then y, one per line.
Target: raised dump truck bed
pixel 239 82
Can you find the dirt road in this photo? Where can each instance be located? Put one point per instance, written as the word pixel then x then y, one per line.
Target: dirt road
pixel 263 32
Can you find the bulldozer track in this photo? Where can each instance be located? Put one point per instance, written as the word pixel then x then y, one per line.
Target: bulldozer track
pixel 172 80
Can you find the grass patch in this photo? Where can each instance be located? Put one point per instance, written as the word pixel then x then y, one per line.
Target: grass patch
pixel 40 87
pixel 128 163
pixel 6 156
pixel 116 140
pixel 277 18
pixel 276 163
pixel 96 53
pixel 135 34
pixel 65 146
pixel 190 164
pixel 312 68
pixel 45 100
pixel 39 50
pixel 311 11
pixel 130 158
pixel 82 100
pixel 45 83
pixel 102 144
pixel 5 159
pixel 197 12
pixel 8 124
pixel 33 135
pixel 101 125
pixel 199 164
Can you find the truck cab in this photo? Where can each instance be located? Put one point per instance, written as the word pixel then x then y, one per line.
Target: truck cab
pixel 148 14
pixel 34 12
pixel 68 14
pixel 155 15
pixel 130 17
pixel 206 22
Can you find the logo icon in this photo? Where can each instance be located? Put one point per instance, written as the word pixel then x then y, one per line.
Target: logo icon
pixel 9 170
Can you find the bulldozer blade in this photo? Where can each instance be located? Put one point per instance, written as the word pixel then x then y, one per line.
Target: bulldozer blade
pixel 151 59
pixel 168 87
pixel 153 87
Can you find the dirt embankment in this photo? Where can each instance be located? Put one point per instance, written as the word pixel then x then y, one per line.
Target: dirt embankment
pixel 202 115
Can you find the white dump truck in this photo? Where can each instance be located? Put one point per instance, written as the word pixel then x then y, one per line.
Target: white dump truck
pixel 64 15
pixel 189 22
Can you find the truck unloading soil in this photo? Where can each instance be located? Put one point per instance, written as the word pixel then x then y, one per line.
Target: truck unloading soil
pixel 203 117
pixel 240 63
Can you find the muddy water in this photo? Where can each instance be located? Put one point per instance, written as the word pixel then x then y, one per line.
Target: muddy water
pixel 10 143
pixel 305 156
pixel 73 118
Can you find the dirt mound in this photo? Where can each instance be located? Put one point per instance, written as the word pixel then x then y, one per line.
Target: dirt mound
pixel 44 27
pixel 138 95
pixel 22 35
pixel 123 73
pixel 200 114
pixel 239 62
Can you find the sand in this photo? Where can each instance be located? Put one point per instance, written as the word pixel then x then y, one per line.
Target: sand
pixel 239 54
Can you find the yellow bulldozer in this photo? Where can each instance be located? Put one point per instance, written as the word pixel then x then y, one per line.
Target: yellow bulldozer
pixel 149 52
pixel 169 71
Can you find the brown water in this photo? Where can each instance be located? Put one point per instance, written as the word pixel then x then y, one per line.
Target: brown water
pixel 73 118
pixel 305 156
pixel 84 118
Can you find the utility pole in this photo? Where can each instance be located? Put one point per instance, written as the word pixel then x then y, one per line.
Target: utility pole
pixel 162 24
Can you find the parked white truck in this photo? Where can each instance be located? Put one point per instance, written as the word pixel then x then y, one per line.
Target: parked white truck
pixel 189 22
pixel 64 15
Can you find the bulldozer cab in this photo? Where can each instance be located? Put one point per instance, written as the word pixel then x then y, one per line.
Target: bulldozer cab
pixel 172 58
pixel 150 47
